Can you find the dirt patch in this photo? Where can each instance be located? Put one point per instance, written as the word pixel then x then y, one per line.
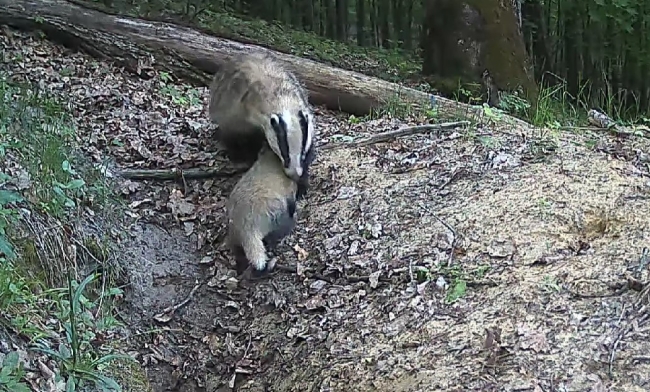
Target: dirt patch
pixel 544 234
pixel 481 259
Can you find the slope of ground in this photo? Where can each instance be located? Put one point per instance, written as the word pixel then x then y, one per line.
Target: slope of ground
pixel 474 259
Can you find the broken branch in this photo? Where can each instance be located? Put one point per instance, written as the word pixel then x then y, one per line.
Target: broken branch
pixel 177 174
pixel 198 174
pixel 391 135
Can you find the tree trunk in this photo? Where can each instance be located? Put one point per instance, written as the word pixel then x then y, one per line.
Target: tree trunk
pixel 384 18
pixel 340 20
pixel 194 56
pixel 462 39
pixel 308 15
pixel 398 18
pixel 361 22
pixel 330 16
pixel 373 23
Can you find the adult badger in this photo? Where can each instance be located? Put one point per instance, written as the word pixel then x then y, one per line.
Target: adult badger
pixel 255 101
pixel 261 211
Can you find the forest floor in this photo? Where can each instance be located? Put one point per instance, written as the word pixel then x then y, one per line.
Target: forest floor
pixel 487 258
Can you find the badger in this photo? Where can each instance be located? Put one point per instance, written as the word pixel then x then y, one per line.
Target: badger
pixel 261 211
pixel 256 101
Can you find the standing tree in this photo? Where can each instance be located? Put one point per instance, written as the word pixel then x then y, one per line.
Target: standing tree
pixel 463 39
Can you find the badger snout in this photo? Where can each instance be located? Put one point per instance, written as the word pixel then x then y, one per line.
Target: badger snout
pixel 294 173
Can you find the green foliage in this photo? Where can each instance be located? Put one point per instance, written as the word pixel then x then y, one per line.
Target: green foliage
pixel 390 64
pixel 597 64
pixel 36 129
pixel 36 144
pixel 600 49
pixel 556 107
pixel 514 104
pixel 190 96
pixel 458 290
pixel 7 216
pixel 456 275
pixel 11 373
pixel 78 359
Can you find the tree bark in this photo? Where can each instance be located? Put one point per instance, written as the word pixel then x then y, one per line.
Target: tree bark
pixel 464 38
pixel 195 57
pixel 361 22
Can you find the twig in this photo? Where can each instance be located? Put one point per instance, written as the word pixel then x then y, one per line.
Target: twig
pixel 623 332
pixel 177 174
pixel 171 309
pixel 197 174
pixel 454 234
pixel 391 135
pixel 643 261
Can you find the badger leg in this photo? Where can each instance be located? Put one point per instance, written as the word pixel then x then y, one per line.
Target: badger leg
pixel 255 253
pixel 241 262
pixel 283 224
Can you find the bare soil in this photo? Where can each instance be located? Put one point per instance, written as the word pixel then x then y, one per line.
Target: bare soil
pixel 486 259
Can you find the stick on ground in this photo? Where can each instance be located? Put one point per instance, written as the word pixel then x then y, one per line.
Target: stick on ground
pixel 392 135
pixel 177 174
pixel 198 174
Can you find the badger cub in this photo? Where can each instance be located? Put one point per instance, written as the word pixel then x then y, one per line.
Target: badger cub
pixel 261 211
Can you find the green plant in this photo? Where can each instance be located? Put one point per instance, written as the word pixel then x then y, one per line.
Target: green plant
pixel 79 362
pixel 457 291
pixel 37 128
pixel 550 285
pixel 514 104
pixel 7 217
pixel 458 285
pixel 11 373
pixel 37 138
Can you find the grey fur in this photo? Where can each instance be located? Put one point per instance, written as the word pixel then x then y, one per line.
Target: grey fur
pixel 261 210
pixel 245 94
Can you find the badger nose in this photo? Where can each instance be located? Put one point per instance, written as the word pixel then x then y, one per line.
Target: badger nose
pixel 295 174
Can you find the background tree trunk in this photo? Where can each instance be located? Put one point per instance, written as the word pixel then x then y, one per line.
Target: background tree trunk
pixel 361 22
pixel 462 39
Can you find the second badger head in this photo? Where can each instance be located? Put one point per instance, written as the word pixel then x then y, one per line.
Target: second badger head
pixel 290 136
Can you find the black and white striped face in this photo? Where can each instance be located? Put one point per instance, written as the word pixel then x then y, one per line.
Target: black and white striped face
pixel 292 140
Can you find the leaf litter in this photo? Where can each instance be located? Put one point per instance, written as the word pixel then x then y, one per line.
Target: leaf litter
pixel 524 235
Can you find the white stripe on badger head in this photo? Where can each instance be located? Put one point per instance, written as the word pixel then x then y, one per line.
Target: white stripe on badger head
pixel 296 161
pixel 310 129
pixel 293 128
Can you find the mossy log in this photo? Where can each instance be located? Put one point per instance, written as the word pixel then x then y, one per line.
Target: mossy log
pixel 195 56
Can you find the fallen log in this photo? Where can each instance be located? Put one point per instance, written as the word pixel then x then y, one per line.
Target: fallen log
pixel 190 55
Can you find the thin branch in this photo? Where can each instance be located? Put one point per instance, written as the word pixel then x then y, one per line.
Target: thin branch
pixel 167 313
pixel 177 174
pixel 196 174
pixel 452 230
pixel 392 135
